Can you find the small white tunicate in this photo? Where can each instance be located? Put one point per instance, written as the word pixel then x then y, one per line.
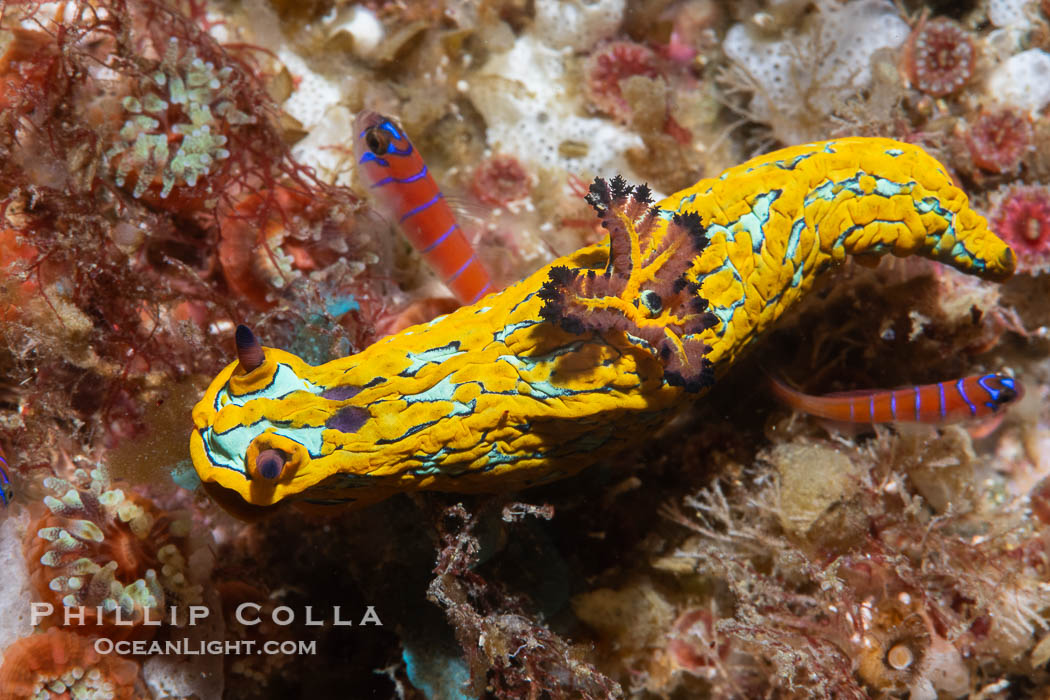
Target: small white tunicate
pixel 361 24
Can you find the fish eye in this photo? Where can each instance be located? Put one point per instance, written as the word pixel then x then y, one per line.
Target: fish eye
pixel 1008 392
pixel 377 141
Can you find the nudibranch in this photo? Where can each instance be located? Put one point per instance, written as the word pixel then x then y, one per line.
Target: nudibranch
pixel 591 352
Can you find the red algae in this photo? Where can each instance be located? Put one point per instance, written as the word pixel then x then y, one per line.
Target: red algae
pixel 1039 498
pixel 506 651
pixel 694 643
pixel 419 311
pixel 693 25
pixel 269 235
pixel 18 286
pixel 611 64
pixel 500 179
pixel 129 133
pixel 24 71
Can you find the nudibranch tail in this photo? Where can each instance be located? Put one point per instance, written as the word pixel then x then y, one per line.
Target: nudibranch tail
pixel 777 221
pixel 574 363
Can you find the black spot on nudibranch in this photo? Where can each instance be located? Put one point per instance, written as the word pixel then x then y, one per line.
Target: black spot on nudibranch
pixel 554 293
pixel 693 385
pixel 599 195
pixel 341 393
pixel 553 290
pixel 698 305
pixel 652 302
pixel 348 419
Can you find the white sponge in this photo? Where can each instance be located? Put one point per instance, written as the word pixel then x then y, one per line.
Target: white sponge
pixel 532 114
pixel 829 58
pixel 577 23
pixel 1021 81
pixel 1009 13
pixel 314 94
pixel 15 604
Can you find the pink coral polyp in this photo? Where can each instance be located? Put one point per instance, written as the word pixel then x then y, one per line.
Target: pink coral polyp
pixel 499 180
pixel 999 139
pixel 941 57
pixel 610 65
pixel 1022 219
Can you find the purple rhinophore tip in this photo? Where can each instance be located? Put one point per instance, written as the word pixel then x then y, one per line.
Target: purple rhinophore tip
pixel 270 463
pixel 249 351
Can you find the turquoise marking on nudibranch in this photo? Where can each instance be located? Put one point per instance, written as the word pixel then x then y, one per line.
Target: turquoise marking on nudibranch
pixel 284 382
pixel 428 357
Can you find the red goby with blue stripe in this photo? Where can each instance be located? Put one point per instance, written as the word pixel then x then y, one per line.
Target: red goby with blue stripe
pixel 974 397
pixel 403 186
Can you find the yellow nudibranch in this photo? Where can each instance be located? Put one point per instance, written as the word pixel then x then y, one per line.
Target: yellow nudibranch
pixel 589 353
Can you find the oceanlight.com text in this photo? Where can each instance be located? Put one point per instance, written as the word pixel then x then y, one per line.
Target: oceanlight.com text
pixel 196 647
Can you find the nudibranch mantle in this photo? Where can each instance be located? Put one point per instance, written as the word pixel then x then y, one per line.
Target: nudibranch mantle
pixel 575 362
